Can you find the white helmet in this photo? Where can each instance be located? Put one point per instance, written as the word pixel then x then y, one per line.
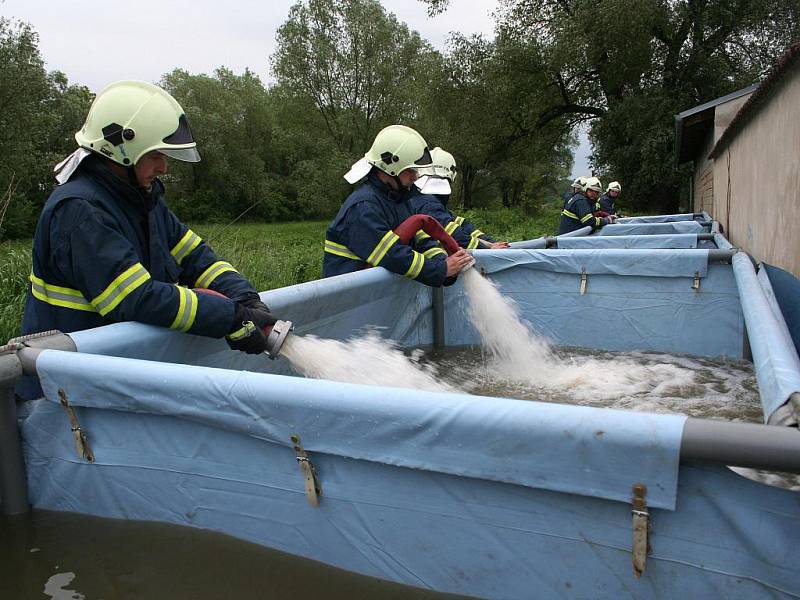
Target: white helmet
pixel 440 175
pixel 593 183
pixel 395 149
pixel 614 186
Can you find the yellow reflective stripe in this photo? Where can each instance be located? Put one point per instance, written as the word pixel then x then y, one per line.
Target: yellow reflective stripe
pixel 187 310
pixel 571 215
pixel 473 243
pixel 420 235
pixel 212 272
pixel 388 240
pixel 416 266
pixel 189 242
pixel 586 217
pixel 340 250
pixel 57 295
pixel 459 221
pixel 476 233
pixel 434 252
pixel 451 227
pixel 119 289
pixel 248 327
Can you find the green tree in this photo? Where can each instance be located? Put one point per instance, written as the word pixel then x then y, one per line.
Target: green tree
pixel 39 113
pixel 360 67
pixel 630 66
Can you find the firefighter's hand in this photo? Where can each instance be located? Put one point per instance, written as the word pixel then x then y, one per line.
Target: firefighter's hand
pixel 499 245
pixel 607 221
pixel 457 261
pixel 250 328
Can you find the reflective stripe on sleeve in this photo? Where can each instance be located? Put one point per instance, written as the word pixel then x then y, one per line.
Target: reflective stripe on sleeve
pixel 473 243
pixel 571 215
pixel 420 235
pixel 212 272
pixel 587 217
pixel 189 242
pixel 119 289
pixel 340 250
pixel 416 266
pixel 389 239
pixel 451 227
pixel 57 295
pixel 187 309
pixel 434 252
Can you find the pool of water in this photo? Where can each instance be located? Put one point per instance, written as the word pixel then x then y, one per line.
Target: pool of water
pixel 66 556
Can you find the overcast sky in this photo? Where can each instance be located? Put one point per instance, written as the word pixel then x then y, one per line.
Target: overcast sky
pixel 95 42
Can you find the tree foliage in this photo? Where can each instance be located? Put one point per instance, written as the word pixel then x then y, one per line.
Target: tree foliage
pixel 39 113
pixel 629 66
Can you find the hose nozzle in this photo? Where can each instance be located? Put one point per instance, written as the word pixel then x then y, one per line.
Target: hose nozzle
pixel 276 337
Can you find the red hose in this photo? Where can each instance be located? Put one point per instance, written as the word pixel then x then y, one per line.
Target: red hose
pixel 408 228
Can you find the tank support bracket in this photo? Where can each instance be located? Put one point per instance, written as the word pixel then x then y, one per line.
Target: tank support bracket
pixel 81 442
pixel 313 487
pixel 641 529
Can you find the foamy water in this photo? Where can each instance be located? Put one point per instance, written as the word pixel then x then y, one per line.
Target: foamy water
pixel 518 354
pixel 368 359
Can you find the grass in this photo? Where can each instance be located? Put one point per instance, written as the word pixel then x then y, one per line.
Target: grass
pixel 270 255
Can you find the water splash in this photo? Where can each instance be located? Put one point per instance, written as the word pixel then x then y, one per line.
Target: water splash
pixel 519 354
pixel 368 359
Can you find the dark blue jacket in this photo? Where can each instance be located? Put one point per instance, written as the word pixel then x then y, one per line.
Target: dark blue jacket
pixel 105 251
pixel 361 235
pixel 435 205
pixel 606 203
pixel 577 213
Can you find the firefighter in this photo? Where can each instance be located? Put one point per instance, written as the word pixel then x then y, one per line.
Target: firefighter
pixel 607 200
pixel 578 210
pixel 107 248
pixel 430 195
pixel 361 235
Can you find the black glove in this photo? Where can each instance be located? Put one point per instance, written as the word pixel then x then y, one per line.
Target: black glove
pixel 253 302
pixel 247 333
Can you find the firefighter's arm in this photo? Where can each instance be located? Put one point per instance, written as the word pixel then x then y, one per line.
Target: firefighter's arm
pixel 369 236
pixel 200 267
pixel 104 267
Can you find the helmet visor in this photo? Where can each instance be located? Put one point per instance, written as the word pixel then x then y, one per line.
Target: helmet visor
pixel 182 154
pixel 425 160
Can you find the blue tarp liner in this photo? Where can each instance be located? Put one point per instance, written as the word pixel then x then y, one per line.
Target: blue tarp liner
pixel 487 497
pixel 651 228
pixel 786 288
pixel 774 356
pixel 634 299
pixel 393 426
pixel 685 240
pixel 658 218
pixel 644 263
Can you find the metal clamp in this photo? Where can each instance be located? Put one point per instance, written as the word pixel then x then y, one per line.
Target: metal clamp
pixel 584 280
pixel 81 441
pixel 313 487
pixel 696 284
pixel 641 529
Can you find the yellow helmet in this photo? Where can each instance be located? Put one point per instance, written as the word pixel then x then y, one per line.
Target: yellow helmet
pixel 131 118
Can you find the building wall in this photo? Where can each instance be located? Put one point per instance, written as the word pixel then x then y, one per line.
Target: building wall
pixel 703 192
pixel 757 181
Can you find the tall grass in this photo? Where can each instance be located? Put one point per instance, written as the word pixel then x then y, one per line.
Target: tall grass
pixel 270 255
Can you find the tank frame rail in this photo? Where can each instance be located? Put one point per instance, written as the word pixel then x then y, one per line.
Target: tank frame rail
pixel 18 357
pixel 749 445
pixel 552 241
